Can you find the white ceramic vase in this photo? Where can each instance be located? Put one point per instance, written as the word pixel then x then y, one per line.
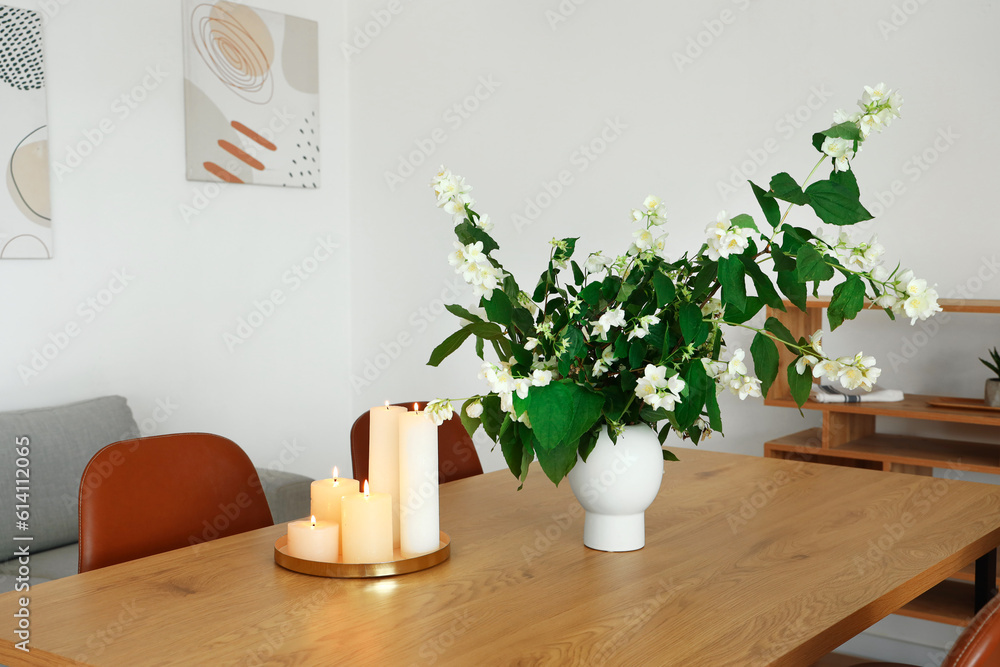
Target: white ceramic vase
pixel 992 398
pixel 615 486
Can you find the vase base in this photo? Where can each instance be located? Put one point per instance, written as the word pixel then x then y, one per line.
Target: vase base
pixel 604 532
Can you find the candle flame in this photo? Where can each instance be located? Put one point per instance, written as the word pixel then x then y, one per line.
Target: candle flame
pixel 335 475
pixel 416 407
pixel 387 405
pixel 366 489
pixel 312 520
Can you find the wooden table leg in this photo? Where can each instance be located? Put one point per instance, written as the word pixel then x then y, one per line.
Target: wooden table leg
pixel 986 578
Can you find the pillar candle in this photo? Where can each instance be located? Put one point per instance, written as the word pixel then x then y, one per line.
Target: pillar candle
pixel 325 497
pixel 314 540
pixel 383 457
pixel 419 519
pixel 366 522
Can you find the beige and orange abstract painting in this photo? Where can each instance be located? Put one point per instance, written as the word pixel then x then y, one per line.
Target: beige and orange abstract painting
pixel 25 218
pixel 251 95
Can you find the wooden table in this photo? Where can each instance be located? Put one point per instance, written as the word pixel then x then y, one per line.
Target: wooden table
pixel 748 561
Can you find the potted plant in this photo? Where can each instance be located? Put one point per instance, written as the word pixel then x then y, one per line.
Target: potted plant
pixel 992 398
pixel 604 355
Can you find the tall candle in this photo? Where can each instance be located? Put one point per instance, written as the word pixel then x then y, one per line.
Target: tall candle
pixel 366 522
pixel 419 513
pixel 383 457
pixel 314 540
pixel 325 497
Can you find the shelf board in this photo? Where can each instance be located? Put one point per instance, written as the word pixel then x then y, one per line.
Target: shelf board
pixel 899 449
pixel 950 602
pixel 947 305
pixel 913 406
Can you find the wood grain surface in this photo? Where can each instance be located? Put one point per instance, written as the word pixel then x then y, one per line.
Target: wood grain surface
pixel 748 561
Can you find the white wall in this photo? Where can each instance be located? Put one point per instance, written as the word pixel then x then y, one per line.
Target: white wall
pixel 191 273
pixel 684 129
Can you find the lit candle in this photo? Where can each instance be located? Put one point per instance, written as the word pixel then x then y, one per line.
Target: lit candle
pixel 314 540
pixel 325 496
pixel 366 520
pixel 383 457
pixel 419 518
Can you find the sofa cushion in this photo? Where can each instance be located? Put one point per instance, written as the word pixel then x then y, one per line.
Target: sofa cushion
pixel 287 493
pixel 62 440
pixel 45 566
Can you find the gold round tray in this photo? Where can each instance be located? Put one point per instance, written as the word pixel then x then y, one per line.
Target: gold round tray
pixel 399 564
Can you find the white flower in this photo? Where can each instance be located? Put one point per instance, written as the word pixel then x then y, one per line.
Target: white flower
pixel 439 410
pixel 521 387
pixel 450 187
pixel 724 239
pixel 599 368
pixel 835 147
pixel 749 386
pixel 736 365
pixel 858 372
pixel 922 305
pixel 804 362
pixel 713 368
pixel 475 410
pixel 610 319
pixel 647 391
pixel 711 308
pixel 540 378
pixel 484 223
pixel 597 262
pixel 675 385
pixel 656 375
pixel 874 94
pixel 641 329
pixel 870 122
pixel 506 401
pixel 842 116
pixel 643 239
pixel 531 344
pixel 828 368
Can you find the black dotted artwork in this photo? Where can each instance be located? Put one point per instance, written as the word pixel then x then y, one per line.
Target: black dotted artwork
pixel 21 63
pixel 307 175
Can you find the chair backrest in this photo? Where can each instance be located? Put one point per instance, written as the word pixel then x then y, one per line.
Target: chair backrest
pixel 979 644
pixel 149 495
pixel 457 457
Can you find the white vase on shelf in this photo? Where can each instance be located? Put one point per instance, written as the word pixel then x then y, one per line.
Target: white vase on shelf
pixel 615 485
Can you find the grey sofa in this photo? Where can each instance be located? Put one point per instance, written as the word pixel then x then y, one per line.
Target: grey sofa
pixel 61 440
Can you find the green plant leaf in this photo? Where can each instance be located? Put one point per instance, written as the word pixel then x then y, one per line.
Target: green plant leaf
pixel 468 233
pixel 800 385
pixel 744 221
pixel 847 301
pixel 698 386
pixel 578 276
pixel 448 345
pixel 664 288
pixel 636 353
pixel 765 360
pixel 713 410
pixel 732 277
pixel 459 311
pixel 523 321
pixel 610 287
pixel 811 265
pixel 846 130
pixel 499 308
pixel 689 316
pixel 471 424
pixel 785 188
pixel 561 412
pixel 704 281
pixel 763 284
pixel 734 315
pixel 492 417
pixel 668 455
pixel 772 212
pixel 559 255
pixel 781 332
pixel 794 290
pixel 513 451
pixel 487 330
pixel 558 461
pixel 588 442
pixel 835 203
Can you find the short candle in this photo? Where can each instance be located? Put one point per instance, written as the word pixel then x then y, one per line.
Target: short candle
pixel 366 522
pixel 314 540
pixel 325 496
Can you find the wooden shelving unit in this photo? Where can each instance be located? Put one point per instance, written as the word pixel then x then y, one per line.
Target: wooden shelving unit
pixel 848 437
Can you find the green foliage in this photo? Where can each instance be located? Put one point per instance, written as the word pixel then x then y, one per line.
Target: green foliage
pixel 995 366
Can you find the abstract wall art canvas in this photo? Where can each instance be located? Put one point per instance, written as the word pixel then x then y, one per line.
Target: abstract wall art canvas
pixel 251 95
pixel 25 218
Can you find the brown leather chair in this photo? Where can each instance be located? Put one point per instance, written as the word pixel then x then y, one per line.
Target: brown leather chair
pixel 978 645
pixel 149 495
pixel 457 457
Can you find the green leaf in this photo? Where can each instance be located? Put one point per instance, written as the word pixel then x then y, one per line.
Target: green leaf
pixel 523 321
pixel 847 301
pixel 513 451
pixel 588 442
pixel 493 417
pixel 734 315
pixel 449 345
pixel 458 311
pixel 615 402
pixel 578 276
pixel 468 233
pixel 689 316
pixel 835 203
pixel 669 456
pixel 811 265
pixel 763 284
pixel 765 360
pixel 558 461
pixel 784 187
pixel 693 398
pixel 621 346
pixel 636 353
pixel 714 412
pixel 576 344
pixel 772 212
pixel 480 345
pixel 499 308
pixel 704 281
pixel 487 330
pixel 591 294
pixel 800 385
pixel 781 332
pixel 745 221
pixel 471 424
pixel 610 287
pixel 561 412
pixel 560 254
pixel 664 288
pixel 846 130
pixel 732 277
